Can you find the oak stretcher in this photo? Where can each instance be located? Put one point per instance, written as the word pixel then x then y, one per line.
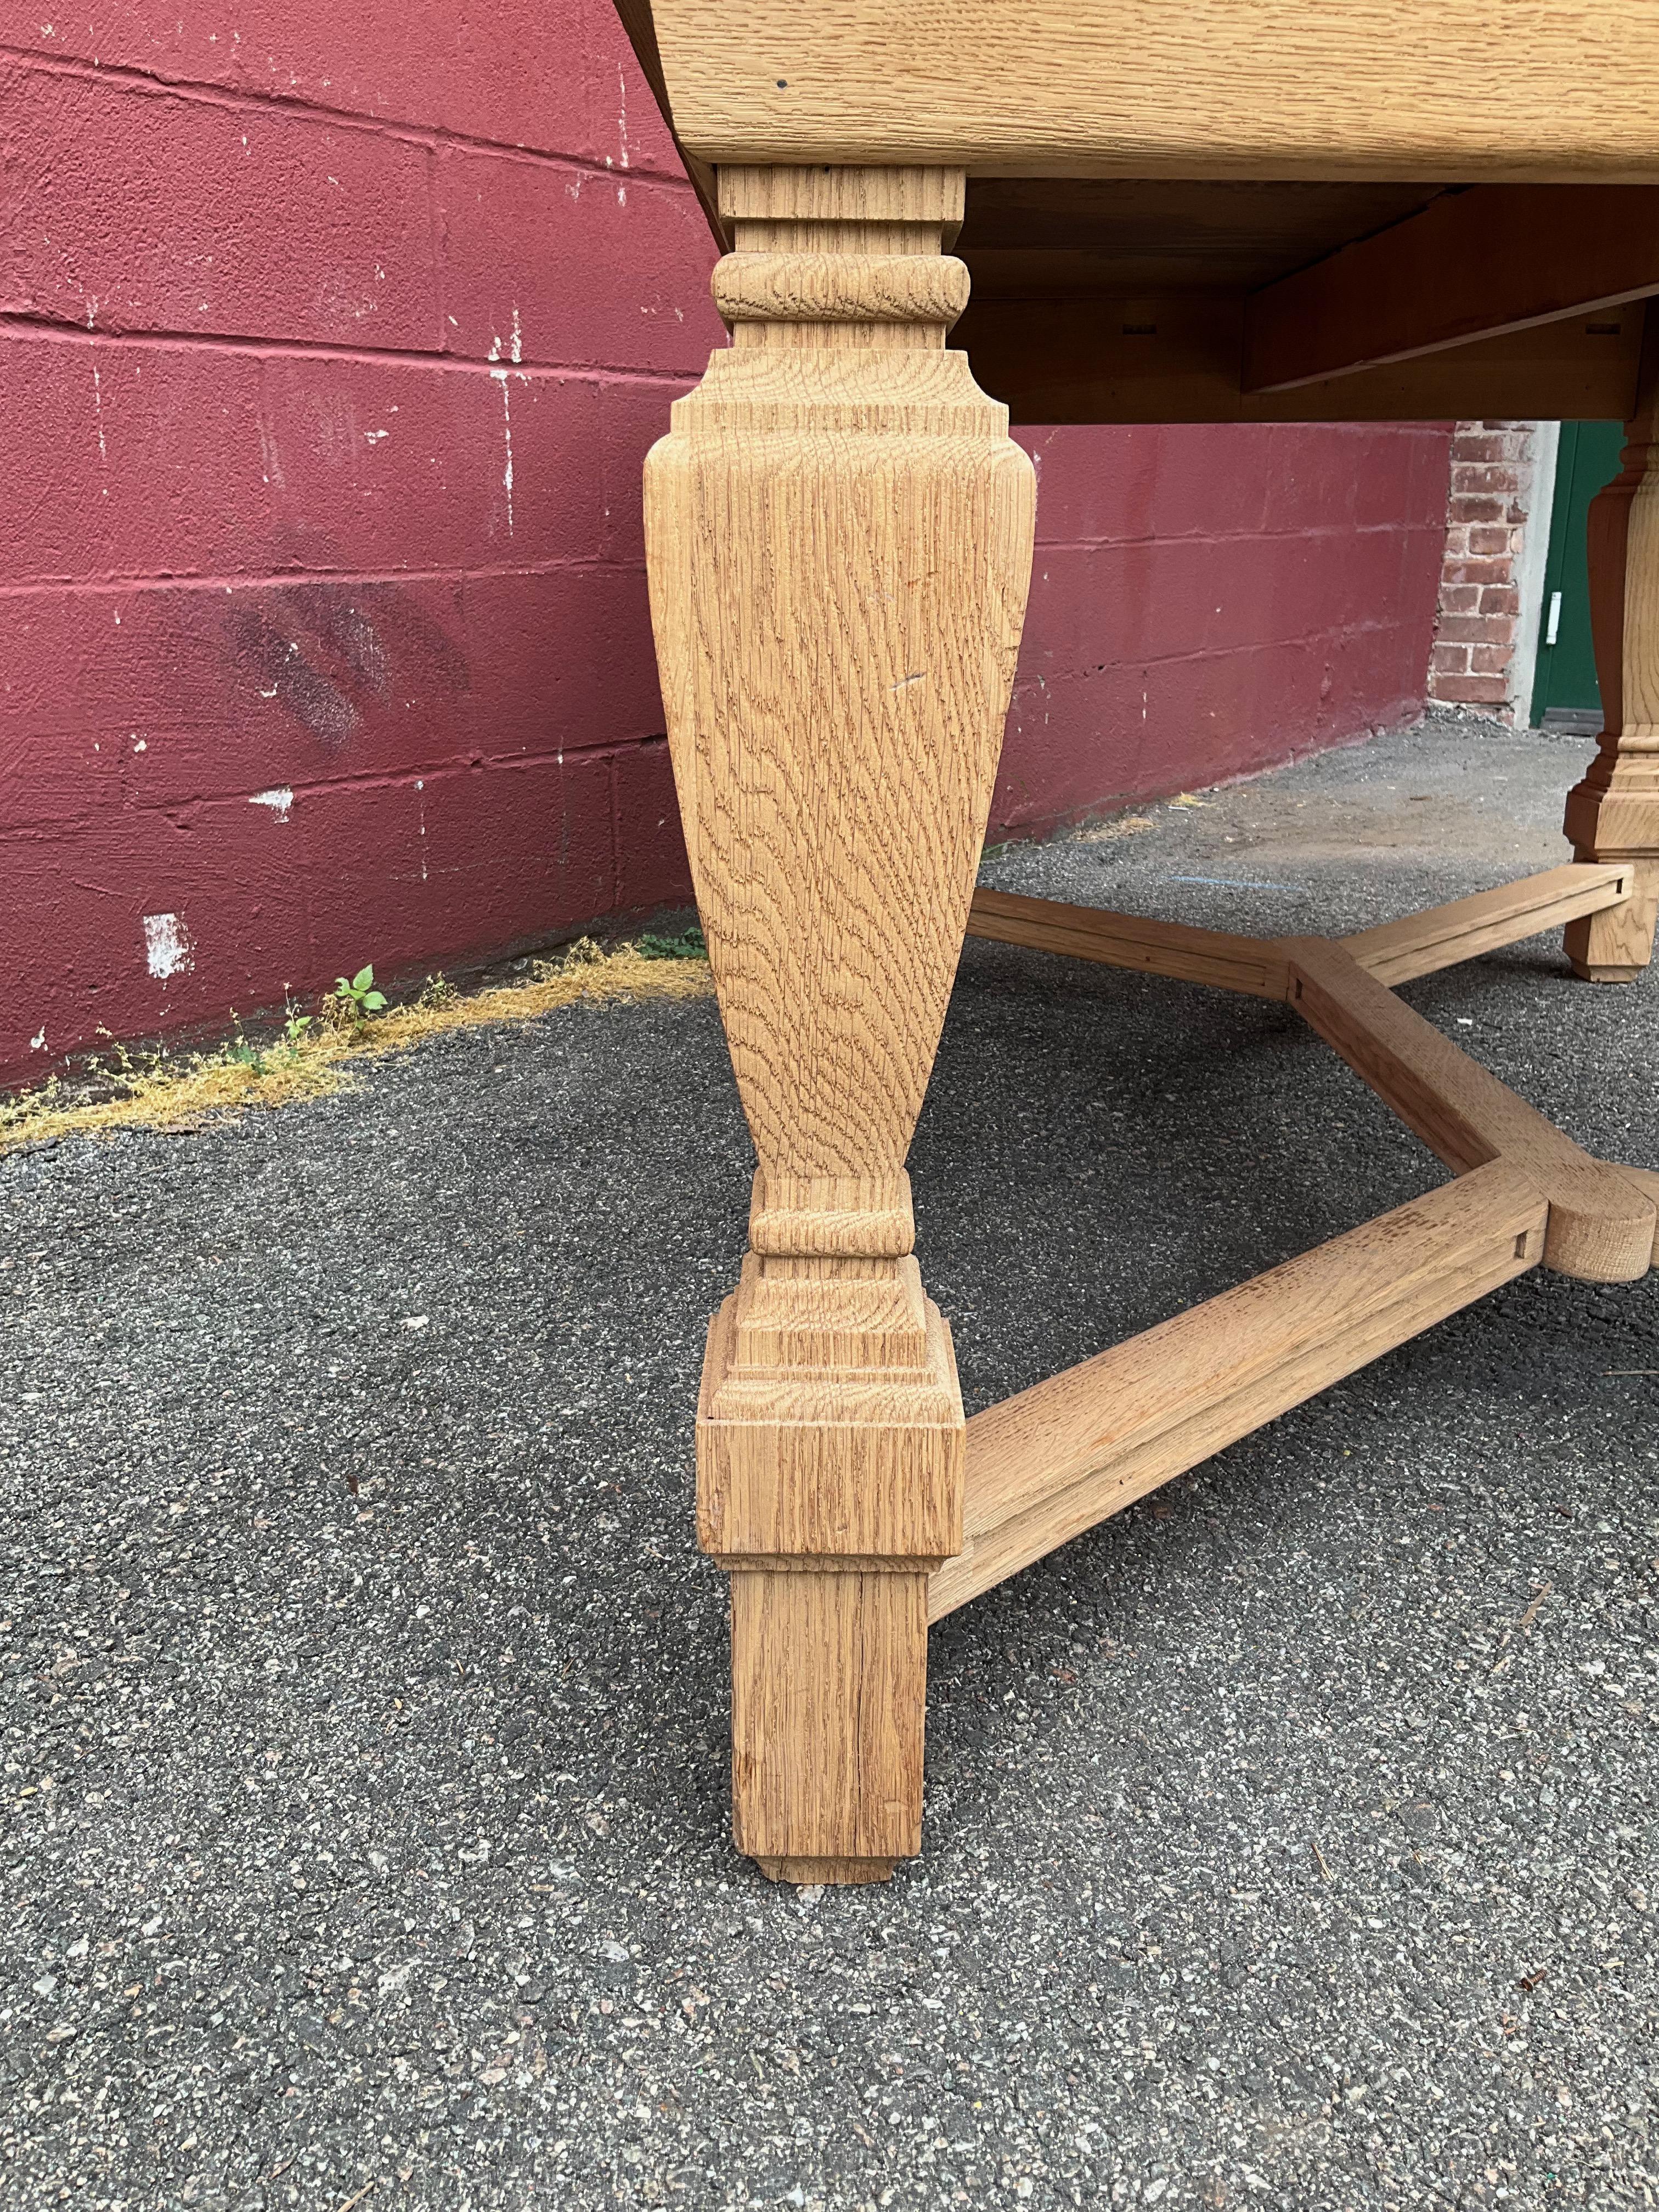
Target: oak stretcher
pixel 1245 210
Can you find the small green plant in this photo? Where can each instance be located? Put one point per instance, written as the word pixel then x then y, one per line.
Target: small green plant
pixel 352 1001
pixel 688 945
pixel 436 993
pixel 237 1052
pixel 265 1058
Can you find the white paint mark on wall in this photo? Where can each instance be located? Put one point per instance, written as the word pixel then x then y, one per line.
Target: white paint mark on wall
pixel 516 352
pixel 270 460
pixel 98 418
pixel 167 948
pixel 279 800
pixel 374 437
pixel 420 785
pixel 37 1041
pixel 366 651
pixel 499 375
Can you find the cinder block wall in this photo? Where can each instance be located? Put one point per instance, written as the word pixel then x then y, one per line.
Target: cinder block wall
pixel 332 340
pixel 1212 600
pixel 335 342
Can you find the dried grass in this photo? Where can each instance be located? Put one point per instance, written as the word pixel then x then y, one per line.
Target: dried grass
pixel 185 1093
pixel 1120 825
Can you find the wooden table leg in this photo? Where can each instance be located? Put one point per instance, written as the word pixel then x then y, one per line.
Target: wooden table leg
pixel 839 535
pixel 1613 814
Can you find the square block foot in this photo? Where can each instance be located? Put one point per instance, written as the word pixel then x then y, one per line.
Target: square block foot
pixel 827 1870
pixel 1593 971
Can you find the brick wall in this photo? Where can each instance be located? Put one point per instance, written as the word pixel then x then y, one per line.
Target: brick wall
pixel 1474 661
pixel 331 341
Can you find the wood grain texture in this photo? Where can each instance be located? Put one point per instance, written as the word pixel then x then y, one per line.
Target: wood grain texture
pixel 839 544
pixel 814 288
pixel 828 1697
pixel 839 540
pixel 1647 1180
pixel 1601 1226
pixel 1048 1464
pixel 1613 813
pixel 1247 88
pixel 1471 265
pixel 1252 965
pixel 1439 936
pixel 823 1459
pixel 818 1871
pixel 833 1217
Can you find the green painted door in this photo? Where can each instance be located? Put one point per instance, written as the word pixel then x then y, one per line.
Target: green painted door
pixel 1565 684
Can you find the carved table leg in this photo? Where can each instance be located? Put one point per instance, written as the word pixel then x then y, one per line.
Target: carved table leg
pixel 1613 814
pixel 839 534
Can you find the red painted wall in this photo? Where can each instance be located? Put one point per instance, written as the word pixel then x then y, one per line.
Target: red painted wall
pixel 1207 601
pixel 332 340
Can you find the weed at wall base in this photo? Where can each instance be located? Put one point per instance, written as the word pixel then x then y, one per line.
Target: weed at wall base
pixel 315 1056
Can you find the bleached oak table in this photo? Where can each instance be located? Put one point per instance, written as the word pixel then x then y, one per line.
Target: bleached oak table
pixel 1242 210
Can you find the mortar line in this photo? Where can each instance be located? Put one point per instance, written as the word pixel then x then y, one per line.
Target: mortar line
pixel 608 750
pixel 288 579
pixel 18 325
pixel 129 76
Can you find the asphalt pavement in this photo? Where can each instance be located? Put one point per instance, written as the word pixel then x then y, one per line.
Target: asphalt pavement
pixel 1291 1839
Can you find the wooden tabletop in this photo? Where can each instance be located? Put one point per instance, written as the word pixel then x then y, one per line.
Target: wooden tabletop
pixel 1241 209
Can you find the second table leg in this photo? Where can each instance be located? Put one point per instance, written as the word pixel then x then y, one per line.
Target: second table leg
pixel 1613 814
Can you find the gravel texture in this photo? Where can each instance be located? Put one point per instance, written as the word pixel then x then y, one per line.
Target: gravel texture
pixel 1291 1839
